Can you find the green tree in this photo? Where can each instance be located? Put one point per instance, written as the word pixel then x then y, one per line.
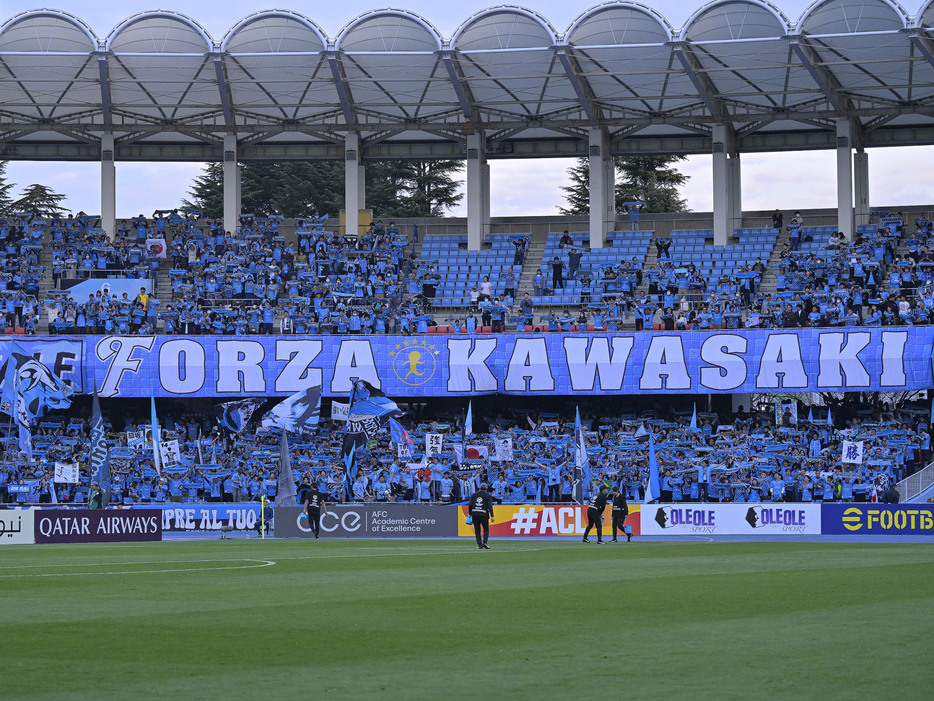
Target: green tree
pixel 302 188
pixel 577 193
pixel 207 191
pixel 6 199
pixel 651 179
pixel 429 189
pixel 41 200
pixel 384 186
pixel 309 187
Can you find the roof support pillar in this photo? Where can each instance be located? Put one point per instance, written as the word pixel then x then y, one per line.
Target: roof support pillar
pixel 478 192
pixel 231 183
pixel 845 178
pixel 353 192
pixel 734 166
pixel 861 185
pixel 723 196
pixel 108 186
pixel 602 187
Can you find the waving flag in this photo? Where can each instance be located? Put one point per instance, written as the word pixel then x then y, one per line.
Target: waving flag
pixel 29 389
pixel 285 490
pixel 348 467
pixel 694 418
pixel 370 410
pixel 100 454
pixel 31 386
pixel 298 413
pixel 581 460
pixel 401 438
pixel 653 489
pixel 236 415
pixel 156 437
pixel 468 422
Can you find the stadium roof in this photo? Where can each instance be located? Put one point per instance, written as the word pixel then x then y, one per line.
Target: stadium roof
pixel 287 89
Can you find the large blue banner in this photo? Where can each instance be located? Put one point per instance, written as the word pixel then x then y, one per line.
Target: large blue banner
pixel 801 360
pixel 207 517
pixel 877 519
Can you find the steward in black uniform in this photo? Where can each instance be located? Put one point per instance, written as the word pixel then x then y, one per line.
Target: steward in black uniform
pixel 595 514
pixel 620 512
pixel 314 502
pixel 481 512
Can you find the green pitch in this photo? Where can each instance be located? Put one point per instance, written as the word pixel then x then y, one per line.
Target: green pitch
pixel 246 619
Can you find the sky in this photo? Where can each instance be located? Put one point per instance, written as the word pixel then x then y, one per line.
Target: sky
pixel 798 180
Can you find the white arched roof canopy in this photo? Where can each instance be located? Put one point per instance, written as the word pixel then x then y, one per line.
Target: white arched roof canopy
pixel 851 16
pixel 750 34
pixel 862 45
pixel 274 31
pixel 609 40
pixel 47 67
pixel 390 60
pixel 925 16
pixel 276 67
pixel 507 58
pixel 161 69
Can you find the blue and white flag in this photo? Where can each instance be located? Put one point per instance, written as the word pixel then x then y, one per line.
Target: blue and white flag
pixel 694 418
pixel 236 415
pixel 298 413
pixel 370 415
pixel 468 422
pixel 100 453
pixel 156 438
pixel 653 489
pixel 581 460
pixel 348 467
pixel 29 383
pixel 401 438
pixel 29 389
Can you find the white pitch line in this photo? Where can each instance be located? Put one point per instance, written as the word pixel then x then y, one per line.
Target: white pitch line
pixel 263 563
pixel 130 562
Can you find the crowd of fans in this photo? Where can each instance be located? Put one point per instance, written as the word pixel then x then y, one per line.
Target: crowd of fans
pixel 254 281
pixel 763 456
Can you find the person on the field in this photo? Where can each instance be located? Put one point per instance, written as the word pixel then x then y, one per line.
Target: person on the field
pixel 481 512
pixel 314 503
pixel 595 514
pixel 620 512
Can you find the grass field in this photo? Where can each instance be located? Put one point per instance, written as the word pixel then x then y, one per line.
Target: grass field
pixel 438 619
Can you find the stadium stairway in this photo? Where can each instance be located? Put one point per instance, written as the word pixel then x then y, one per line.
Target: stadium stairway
pixel 767 285
pixel 534 255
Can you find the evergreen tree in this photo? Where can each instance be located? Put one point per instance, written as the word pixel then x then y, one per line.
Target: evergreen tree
pixel 40 200
pixel 6 199
pixel 577 193
pixel 428 188
pixel 384 184
pixel 207 192
pixel 307 188
pixel 650 179
pixel 394 188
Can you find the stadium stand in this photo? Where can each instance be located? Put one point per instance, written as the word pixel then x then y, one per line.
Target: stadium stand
pixel 265 277
pixel 752 458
